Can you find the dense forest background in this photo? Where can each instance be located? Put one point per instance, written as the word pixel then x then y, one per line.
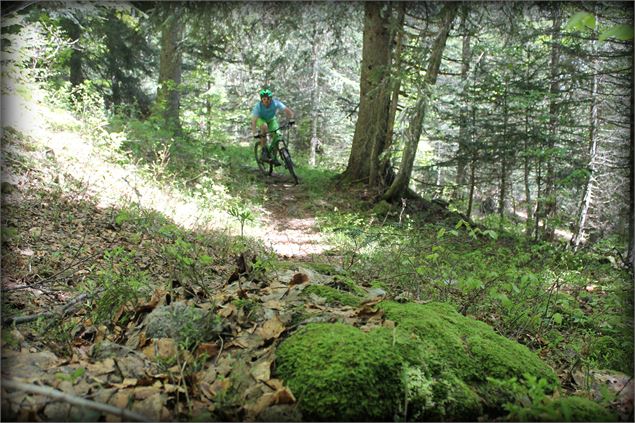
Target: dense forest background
pixel 518 112
pixel 475 153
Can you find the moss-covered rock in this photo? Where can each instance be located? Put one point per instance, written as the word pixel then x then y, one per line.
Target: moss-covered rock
pixel 437 333
pixel 340 373
pixel 382 208
pixel 569 409
pixel 332 295
pixel 437 359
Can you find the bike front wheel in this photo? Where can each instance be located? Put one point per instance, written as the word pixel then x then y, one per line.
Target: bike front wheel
pixel 288 163
pixel 264 167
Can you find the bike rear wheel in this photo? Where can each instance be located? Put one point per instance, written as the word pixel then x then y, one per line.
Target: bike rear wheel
pixel 288 163
pixel 264 167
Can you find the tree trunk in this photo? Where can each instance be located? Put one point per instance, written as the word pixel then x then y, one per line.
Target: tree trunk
pixel 74 32
pixel 504 157
pixel 549 206
pixel 465 68
pixel 375 178
pixel 526 169
pixel 539 200
pixel 168 95
pixel 315 90
pixel 631 214
pixel 400 184
pixel 470 200
pixel 587 197
pixel 370 128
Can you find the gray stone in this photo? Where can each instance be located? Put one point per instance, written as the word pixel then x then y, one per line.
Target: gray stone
pixel 180 321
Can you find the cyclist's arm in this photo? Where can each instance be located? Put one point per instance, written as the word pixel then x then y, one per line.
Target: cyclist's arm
pixel 253 125
pixel 288 113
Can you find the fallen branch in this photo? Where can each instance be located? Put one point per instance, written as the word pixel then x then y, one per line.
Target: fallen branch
pixel 125 415
pixel 65 310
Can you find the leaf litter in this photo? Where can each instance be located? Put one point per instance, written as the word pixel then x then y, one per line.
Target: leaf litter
pixel 60 243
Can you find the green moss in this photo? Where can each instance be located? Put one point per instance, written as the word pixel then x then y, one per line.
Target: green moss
pixel 322 268
pixel 436 358
pixel 340 373
pixel 569 409
pixel 382 208
pixel 438 333
pixel 332 295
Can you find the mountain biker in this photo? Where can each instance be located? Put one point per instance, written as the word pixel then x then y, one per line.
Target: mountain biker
pixel 263 117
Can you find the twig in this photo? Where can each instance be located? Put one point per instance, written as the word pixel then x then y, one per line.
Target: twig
pixel 63 312
pixel 125 415
pixel 220 351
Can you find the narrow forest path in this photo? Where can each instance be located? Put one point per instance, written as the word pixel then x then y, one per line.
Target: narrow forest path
pixel 290 229
pixel 285 223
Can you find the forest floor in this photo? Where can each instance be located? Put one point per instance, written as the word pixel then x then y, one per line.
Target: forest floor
pixel 62 201
pixel 78 220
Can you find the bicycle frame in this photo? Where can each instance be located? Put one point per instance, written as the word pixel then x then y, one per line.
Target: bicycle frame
pixel 283 151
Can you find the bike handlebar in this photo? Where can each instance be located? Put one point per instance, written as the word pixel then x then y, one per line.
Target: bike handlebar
pixel 285 126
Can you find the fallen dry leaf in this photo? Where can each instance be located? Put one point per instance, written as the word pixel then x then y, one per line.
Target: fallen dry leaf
pixel 283 396
pixel 101 367
pixel 298 278
pixel 261 371
pixel 161 347
pixel 271 329
pixel 227 310
pixel 209 348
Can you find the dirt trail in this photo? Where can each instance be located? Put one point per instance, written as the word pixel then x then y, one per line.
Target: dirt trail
pixel 289 228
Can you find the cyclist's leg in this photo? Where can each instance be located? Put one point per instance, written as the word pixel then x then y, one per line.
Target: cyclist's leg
pixel 273 126
pixel 262 126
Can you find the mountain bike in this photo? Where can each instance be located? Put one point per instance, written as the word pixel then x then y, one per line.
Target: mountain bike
pixel 266 165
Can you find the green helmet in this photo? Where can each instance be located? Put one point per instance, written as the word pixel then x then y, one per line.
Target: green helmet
pixel 266 92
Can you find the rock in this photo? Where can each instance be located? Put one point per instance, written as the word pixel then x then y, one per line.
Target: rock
pixel 445 359
pixel 617 383
pixel 7 188
pixel 107 349
pixel 29 365
pixel 280 413
pixel 180 321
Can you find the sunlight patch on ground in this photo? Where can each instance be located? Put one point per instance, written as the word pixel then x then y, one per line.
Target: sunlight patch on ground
pixel 111 184
pixel 116 184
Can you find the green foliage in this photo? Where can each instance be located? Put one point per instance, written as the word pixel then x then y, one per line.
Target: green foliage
pixel 73 376
pixel 122 284
pixel 242 214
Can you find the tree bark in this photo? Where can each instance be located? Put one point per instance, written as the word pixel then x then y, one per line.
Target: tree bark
pixel 400 184
pixel 168 96
pixel 549 206
pixel 74 31
pixel 315 90
pixel 400 35
pixel 370 128
pixel 585 204
pixel 463 133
